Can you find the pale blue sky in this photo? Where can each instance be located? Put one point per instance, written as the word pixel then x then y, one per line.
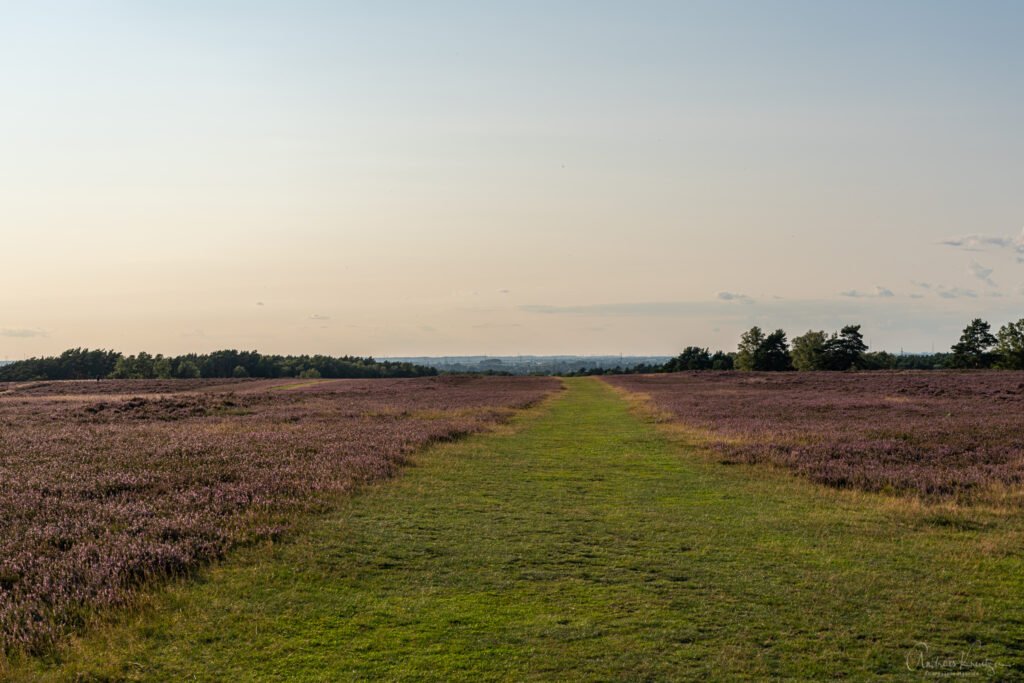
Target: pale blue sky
pixel 558 177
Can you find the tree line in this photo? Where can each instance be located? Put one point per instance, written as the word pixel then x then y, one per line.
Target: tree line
pixel 103 364
pixel 758 350
pixel 772 352
pixel 845 350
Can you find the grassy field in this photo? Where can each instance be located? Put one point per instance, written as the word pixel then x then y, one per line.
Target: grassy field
pixel 584 542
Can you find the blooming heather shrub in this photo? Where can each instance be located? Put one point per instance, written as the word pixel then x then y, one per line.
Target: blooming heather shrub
pixel 109 485
pixel 934 433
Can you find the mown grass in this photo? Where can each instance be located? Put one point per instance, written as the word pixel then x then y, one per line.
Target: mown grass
pixel 585 543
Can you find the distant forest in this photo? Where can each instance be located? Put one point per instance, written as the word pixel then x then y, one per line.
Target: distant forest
pixel 758 350
pixel 102 364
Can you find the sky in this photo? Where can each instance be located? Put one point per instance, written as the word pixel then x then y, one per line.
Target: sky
pixel 411 178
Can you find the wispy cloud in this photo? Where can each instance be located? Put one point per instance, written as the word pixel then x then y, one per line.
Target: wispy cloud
pixel 944 292
pixel 982 273
pixel 21 333
pixel 627 308
pixel 879 293
pixel 977 242
pixel 494 326
pixel 956 293
pixel 717 308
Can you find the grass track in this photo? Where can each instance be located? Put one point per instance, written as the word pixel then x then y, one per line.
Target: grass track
pixel 582 543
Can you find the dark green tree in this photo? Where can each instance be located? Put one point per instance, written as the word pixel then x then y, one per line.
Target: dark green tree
pixel 758 351
pixel 162 368
pixel 692 358
pixel 135 367
pixel 721 361
pixel 187 369
pixel 845 350
pixel 773 354
pixel 809 350
pixel 1010 345
pixel 746 352
pixel 880 360
pixel 975 345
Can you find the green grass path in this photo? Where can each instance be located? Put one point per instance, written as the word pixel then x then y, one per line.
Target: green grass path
pixel 582 543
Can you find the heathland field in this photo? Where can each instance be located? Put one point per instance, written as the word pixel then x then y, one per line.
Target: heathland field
pixel 111 486
pixel 588 539
pixel 938 435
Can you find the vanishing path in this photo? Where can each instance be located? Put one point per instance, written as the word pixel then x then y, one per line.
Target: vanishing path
pixel 582 543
